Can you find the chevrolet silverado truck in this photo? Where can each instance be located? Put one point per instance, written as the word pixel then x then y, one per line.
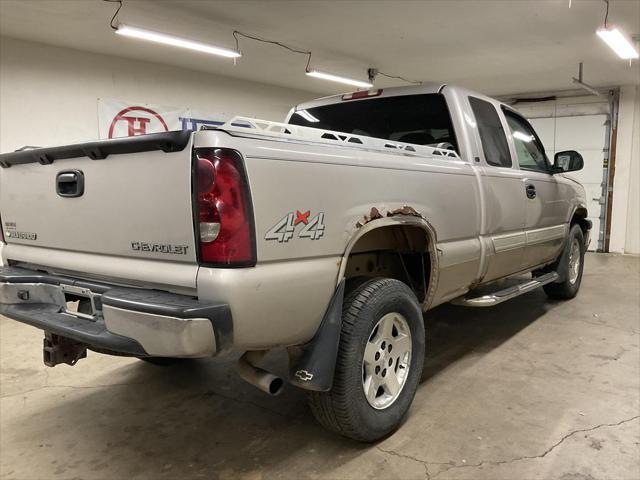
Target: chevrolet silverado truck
pixel 328 235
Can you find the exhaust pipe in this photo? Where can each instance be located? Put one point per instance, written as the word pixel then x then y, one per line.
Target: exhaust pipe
pixel 256 376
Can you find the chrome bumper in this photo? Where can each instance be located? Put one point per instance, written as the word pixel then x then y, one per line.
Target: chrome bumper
pixel 127 321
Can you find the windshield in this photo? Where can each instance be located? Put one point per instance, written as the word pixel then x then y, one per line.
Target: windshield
pixel 417 119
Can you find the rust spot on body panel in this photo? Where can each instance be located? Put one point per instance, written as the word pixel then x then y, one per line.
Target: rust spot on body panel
pixel 375 214
pixel 406 210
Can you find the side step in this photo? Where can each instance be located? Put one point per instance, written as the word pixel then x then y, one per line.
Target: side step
pixel 508 293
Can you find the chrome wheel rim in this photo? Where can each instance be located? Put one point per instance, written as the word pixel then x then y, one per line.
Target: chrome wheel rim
pixel 574 261
pixel 386 362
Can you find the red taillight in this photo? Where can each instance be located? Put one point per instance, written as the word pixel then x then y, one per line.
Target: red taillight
pixel 224 214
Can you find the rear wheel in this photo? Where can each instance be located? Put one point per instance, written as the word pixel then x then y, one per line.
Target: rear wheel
pixel 379 362
pixel 571 262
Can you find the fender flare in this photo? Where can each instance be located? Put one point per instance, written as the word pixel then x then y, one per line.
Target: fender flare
pixel 575 208
pixel 399 220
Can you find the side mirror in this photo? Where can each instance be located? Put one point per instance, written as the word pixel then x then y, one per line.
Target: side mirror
pixel 567 161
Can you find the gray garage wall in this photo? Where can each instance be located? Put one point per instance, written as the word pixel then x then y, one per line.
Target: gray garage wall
pixel 48 95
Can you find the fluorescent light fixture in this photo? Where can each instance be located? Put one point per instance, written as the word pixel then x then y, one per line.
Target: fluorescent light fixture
pixel 618 42
pixel 165 39
pixel 307 116
pixel 339 79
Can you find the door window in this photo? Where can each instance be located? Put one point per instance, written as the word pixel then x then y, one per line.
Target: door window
pixel 530 152
pixel 492 136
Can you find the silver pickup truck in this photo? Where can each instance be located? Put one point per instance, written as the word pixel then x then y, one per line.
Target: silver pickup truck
pixel 328 235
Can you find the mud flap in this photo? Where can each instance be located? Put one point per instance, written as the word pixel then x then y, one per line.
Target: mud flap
pixel 313 369
pixel 561 265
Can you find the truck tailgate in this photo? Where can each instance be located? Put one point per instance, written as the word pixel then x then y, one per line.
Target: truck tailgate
pixel 125 198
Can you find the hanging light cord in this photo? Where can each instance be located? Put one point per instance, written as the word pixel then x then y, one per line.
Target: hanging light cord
pixel 606 15
pixel 398 77
pixel 237 33
pixel 115 14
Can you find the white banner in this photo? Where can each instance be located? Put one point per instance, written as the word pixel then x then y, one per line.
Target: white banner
pixel 125 119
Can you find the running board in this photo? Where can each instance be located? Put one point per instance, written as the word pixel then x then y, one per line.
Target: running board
pixel 508 293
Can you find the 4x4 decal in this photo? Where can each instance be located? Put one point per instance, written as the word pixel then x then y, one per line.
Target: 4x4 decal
pixel 285 229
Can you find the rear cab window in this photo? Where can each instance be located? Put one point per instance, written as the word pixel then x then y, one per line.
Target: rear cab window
pixel 417 119
pixel 492 136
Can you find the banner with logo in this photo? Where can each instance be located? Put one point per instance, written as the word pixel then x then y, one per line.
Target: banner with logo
pixel 117 118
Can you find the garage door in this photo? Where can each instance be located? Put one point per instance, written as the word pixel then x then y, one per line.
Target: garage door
pixel 582 125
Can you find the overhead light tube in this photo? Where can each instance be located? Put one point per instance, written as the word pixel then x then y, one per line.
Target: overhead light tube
pixel 618 42
pixel 337 78
pixel 157 37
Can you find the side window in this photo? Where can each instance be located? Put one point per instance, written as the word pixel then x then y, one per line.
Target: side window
pixel 528 148
pixel 492 136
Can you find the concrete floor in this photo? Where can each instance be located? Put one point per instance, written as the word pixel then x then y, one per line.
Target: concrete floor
pixel 527 390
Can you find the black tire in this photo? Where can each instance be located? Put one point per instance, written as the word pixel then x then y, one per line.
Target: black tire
pixel 567 288
pixel 345 408
pixel 162 361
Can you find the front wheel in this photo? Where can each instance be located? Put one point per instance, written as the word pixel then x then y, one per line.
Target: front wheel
pixel 379 362
pixel 571 264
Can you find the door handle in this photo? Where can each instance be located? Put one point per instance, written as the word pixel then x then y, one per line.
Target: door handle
pixel 530 188
pixel 70 183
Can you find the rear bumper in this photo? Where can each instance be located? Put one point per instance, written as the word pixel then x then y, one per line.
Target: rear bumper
pixel 127 321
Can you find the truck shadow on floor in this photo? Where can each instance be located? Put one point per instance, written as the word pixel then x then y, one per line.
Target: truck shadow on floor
pixel 198 419
pixel 455 332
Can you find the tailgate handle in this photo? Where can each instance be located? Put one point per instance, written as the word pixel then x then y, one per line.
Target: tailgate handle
pixel 70 183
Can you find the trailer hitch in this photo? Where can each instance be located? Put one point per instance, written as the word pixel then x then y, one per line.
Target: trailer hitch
pixel 59 349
